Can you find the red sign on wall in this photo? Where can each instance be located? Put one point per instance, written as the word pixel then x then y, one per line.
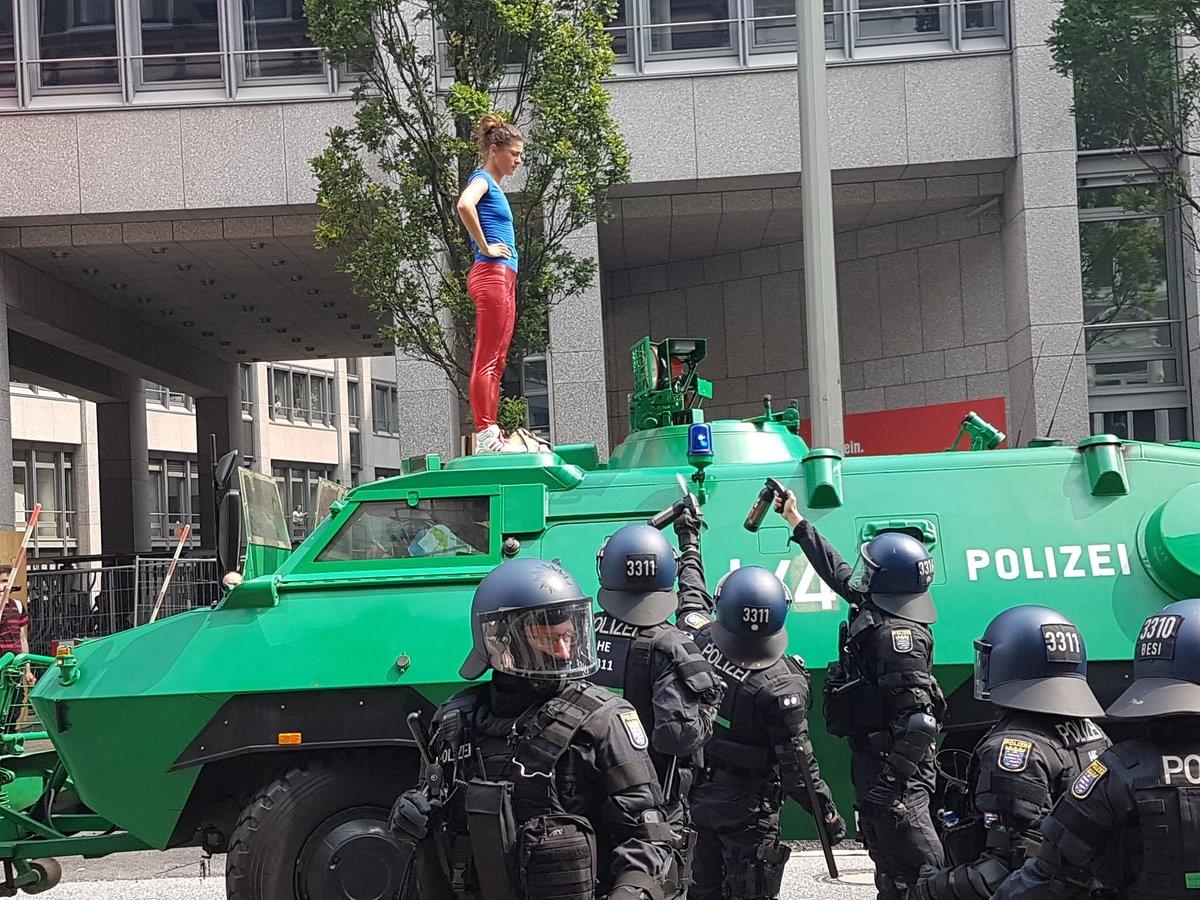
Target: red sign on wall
pixel 917 429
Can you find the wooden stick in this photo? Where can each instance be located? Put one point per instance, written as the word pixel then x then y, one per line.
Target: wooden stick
pixel 162 591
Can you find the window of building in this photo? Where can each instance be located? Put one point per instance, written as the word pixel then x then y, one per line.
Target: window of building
pixel 352 404
pixel 8 50
pixel 691 25
pixel 301 396
pixel 535 385
pixel 245 385
pixel 298 491
pixel 888 21
pixel 384 414
pixel 46 476
pixel 75 44
pixel 275 42
pixel 176 41
pixel 1130 257
pixel 161 395
pixel 450 526
pixel 175 492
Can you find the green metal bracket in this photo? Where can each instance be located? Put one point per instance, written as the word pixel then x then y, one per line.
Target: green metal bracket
pixel 923 530
pixel 823 478
pixel 1105 465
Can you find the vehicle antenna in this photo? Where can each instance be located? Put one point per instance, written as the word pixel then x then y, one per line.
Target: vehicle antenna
pixel 1032 381
pixel 1066 375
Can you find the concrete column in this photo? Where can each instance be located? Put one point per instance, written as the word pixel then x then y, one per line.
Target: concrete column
pixel 221 416
pixel 578 387
pixel 123 455
pixel 87 483
pixel 6 451
pixel 366 431
pixel 1043 287
pixel 341 421
pixel 427 405
pixel 260 408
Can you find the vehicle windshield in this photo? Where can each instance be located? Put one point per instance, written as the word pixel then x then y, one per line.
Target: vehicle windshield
pixel 393 529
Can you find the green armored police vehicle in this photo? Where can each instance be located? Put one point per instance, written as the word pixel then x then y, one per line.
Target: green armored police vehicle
pixel 272 726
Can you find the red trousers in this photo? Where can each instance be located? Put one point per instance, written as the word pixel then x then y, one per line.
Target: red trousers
pixel 492 287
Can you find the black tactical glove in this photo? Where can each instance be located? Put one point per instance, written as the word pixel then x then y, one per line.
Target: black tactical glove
pixel 923 889
pixel 835 827
pixel 410 816
pixel 687 526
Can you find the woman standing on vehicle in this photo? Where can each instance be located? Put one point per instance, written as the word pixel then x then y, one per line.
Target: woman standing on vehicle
pixel 492 282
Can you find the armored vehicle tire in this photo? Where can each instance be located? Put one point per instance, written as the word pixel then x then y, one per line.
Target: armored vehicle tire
pixel 319 832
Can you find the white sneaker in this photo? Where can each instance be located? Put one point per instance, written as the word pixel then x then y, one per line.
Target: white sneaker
pixel 489 440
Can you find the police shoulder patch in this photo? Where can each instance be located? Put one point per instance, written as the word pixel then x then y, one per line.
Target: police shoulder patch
pixel 697 620
pixel 1087 780
pixel 902 640
pixel 633 728
pixel 1014 754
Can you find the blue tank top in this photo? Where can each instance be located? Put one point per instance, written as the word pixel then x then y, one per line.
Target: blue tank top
pixel 496 219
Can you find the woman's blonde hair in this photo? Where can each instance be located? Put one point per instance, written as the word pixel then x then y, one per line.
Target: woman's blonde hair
pixel 493 130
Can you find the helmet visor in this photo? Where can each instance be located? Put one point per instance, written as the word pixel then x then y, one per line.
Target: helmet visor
pixel 543 643
pixel 864 571
pixel 983 656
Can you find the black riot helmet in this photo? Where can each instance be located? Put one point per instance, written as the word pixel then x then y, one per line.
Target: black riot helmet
pixel 1166 666
pixel 637 567
pixel 1033 658
pixel 752 605
pixel 896 570
pixel 531 619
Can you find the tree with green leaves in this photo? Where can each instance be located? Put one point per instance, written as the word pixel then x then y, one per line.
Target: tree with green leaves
pixel 1137 82
pixel 388 184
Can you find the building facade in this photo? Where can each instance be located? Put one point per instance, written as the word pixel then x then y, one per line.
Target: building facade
pixel 153 172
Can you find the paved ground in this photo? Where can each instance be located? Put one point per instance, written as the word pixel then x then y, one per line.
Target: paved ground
pixel 184 875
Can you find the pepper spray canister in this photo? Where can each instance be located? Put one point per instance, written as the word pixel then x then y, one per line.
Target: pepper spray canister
pixel 766 497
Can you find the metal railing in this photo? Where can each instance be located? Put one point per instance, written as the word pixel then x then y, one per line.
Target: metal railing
pixel 93 598
pixel 230 71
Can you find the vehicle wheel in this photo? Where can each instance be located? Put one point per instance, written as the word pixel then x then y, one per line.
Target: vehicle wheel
pixel 49 874
pixel 319 832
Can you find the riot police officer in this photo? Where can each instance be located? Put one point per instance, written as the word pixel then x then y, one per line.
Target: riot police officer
pixel 1130 822
pixel 1032 663
pixel 657 667
pixel 544 787
pixel 760 751
pixel 881 694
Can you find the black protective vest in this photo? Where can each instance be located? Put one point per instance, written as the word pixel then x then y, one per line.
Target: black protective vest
pixel 743 746
pixel 624 652
pixel 1166 794
pixel 1067 746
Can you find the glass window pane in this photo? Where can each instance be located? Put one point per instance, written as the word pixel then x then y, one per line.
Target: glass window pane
pixel 535 376
pixel 1125 340
pixel 1124 270
pixel 8 71
pixel 775 22
pixel 620 36
pixel 453 526
pixel 174 29
pixel 20 491
pixel 539 412
pixel 280 404
pixel 982 15
pixel 1126 372
pixel 1111 423
pixel 1177 429
pixel 77 29
pixel 300 393
pixel 890 19
pixel 277 25
pixel 683 36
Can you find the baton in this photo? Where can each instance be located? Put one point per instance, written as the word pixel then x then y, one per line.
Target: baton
pixel 818 815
